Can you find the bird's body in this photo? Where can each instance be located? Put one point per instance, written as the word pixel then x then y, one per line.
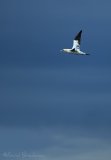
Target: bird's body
pixel 76 46
pixel 71 51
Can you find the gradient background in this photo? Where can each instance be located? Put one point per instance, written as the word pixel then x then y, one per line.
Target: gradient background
pixel 55 107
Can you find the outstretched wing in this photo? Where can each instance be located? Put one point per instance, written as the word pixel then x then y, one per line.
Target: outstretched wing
pixel 77 41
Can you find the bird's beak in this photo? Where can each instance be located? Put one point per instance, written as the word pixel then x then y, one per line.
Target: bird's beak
pixel 61 50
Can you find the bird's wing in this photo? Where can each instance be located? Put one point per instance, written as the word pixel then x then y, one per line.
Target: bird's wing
pixel 77 41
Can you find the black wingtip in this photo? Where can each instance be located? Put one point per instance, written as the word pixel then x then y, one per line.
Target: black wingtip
pixel 78 36
pixel 80 32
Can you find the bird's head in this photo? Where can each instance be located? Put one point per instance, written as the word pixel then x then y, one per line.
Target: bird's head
pixel 62 50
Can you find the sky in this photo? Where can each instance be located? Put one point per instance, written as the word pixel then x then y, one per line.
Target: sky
pixel 55 106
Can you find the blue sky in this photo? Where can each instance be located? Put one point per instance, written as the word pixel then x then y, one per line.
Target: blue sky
pixel 55 106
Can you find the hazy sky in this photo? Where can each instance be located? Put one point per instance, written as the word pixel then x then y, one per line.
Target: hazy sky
pixel 55 106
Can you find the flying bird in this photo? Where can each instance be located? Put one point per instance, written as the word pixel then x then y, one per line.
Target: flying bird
pixel 76 46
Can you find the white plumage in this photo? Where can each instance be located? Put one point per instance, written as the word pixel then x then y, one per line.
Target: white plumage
pixel 76 46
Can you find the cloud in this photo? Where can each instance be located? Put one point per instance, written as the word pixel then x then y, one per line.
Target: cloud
pixel 62 111
pixel 55 143
pixel 56 97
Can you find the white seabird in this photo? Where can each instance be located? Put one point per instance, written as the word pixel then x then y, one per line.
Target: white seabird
pixel 76 46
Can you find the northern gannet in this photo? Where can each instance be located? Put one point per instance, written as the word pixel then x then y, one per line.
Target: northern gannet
pixel 76 46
